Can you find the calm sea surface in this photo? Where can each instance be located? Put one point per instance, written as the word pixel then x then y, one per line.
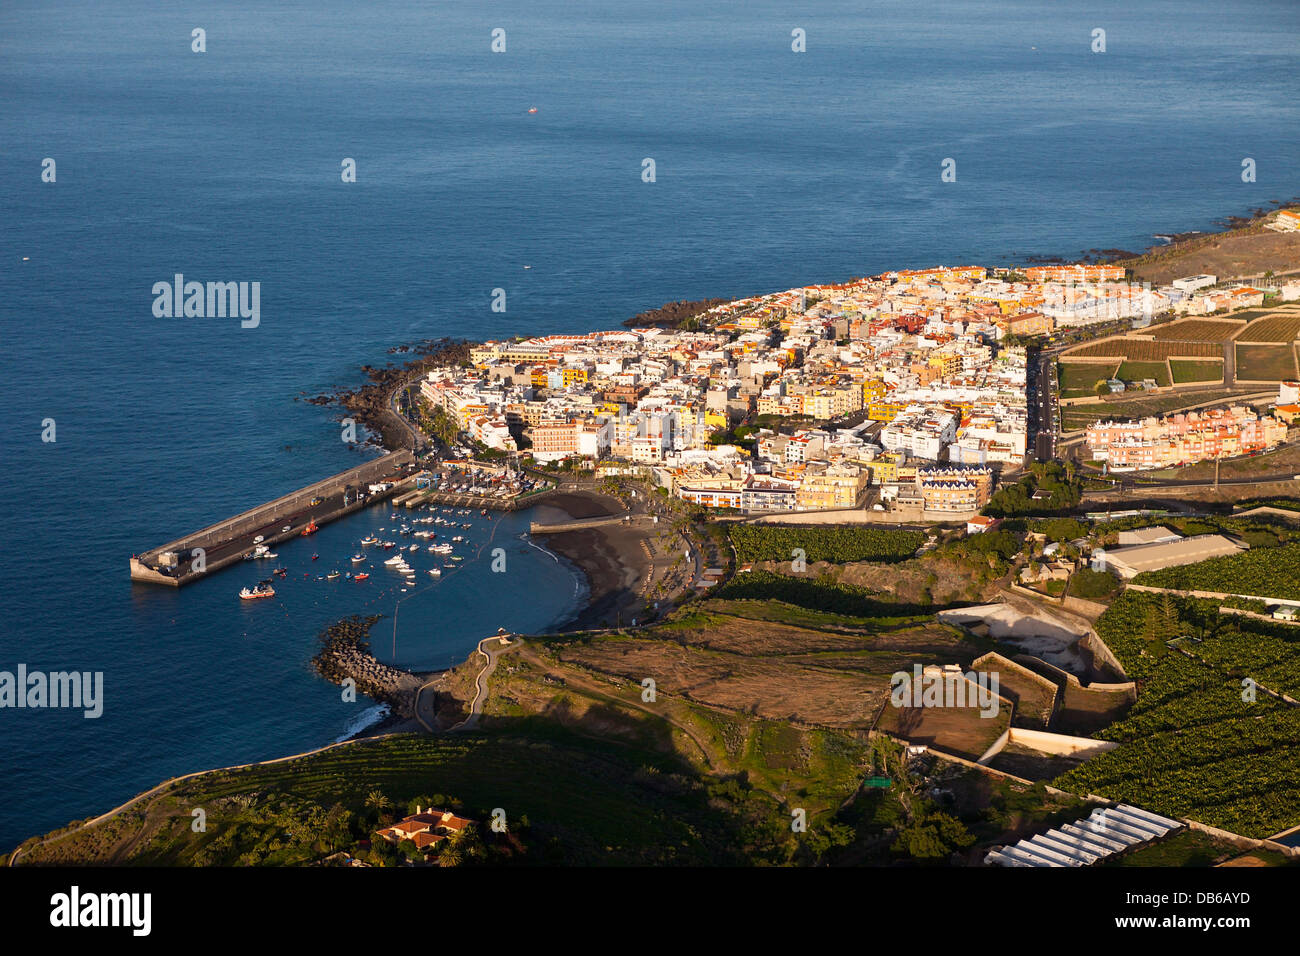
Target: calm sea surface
pixel 773 169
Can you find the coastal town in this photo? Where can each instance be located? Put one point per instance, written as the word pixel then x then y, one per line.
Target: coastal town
pixel 910 390
pixel 1047 501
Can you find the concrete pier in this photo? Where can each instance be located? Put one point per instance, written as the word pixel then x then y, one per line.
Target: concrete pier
pixel 220 545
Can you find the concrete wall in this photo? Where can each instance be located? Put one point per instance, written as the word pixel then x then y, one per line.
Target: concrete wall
pixel 1060 744
pixel 361 475
pixel 1213 595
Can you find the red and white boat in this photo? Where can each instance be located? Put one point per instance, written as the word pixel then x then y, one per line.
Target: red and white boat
pixel 262 590
pixel 362 576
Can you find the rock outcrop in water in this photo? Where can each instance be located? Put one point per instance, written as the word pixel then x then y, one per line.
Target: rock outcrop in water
pixel 345 653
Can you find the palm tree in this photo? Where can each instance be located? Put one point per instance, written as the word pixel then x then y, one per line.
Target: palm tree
pixel 376 800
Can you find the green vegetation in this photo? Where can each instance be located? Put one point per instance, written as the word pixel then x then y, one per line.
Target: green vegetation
pixel 1047 487
pixel 1196 743
pixel 1080 378
pixel 812 593
pixel 1282 504
pixel 1265 363
pixel 1060 530
pixel 1139 371
pixel 1266 572
pixel 1092 585
pixel 1186 848
pixel 765 542
pixel 1189 371
pixel 1276 327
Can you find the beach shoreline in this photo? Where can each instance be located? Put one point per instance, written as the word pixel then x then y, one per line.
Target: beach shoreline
pixel 608 556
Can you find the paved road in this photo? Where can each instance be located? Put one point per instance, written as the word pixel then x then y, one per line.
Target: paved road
pixel 418 440
pixel 1045 398
pixel 480 682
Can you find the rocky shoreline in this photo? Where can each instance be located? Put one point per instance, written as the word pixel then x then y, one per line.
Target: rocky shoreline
pixel 369 404
pixel 672 314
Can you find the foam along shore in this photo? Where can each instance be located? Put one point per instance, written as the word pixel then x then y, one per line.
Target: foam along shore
pixel 609 556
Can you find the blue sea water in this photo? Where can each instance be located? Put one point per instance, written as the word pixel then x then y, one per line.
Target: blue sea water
pixel 773 168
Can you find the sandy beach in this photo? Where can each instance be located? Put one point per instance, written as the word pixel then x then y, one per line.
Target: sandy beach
pixel 610 557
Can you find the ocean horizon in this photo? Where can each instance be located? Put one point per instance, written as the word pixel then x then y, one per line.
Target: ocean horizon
pixel 773 169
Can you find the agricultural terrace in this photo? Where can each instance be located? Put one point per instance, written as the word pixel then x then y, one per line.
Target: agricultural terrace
pixel 1139 371
pixel 1192 746
pixel 1144 350
pixel 1185 371
pixel 1281 325
pixel 1266 363
pixel 1198 330
pixel 1080 378
pixel 784 648
pixel 765 542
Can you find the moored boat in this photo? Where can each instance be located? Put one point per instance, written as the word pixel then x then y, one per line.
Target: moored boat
pixel 262 589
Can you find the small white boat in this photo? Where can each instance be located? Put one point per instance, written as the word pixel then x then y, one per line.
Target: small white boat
pixel 435 572
pixel 395 559
pixel 358 558
pixel 414 547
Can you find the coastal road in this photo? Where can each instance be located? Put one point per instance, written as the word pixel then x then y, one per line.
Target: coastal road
pixel 417 437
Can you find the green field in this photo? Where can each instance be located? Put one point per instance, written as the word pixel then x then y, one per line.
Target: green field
pixel 1189 371
pixel 1265 363
pixel 1138 371
pixel 1080 378
pixel 767 542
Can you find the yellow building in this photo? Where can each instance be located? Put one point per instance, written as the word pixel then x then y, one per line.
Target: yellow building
pixel 836 487
pixel 884 469
pixel 883 411
pixel 872 390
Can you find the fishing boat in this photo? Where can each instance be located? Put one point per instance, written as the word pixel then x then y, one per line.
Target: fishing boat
pixel 414 547
pixel 333 575
pixel 369 540
pixel 315 556
pixel 262 551
pixel 358 558
pixel 311 528
pixel 389 545
pixel 362 576
pixel 395 559
pixel 531 109
pixel 262 589
pixel 435 572
pixel 281 572
pixel 483 512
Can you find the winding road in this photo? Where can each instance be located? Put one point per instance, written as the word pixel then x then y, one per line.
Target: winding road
pixel 480 682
